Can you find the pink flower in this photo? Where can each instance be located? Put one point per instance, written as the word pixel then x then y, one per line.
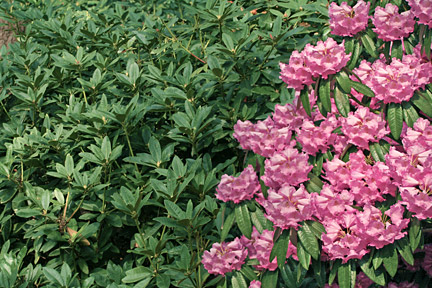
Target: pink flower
pixel 255 284
pixel 343 240
pixel 418 140
pixel 346 20
pixel 404 284
pixel 224 257
pixel 315 139
pixel 363 126
pixel 325 58
pixel 263 138
pixel 288 167
pixel 422 9
pixel 239 188
pixel 417 201
pixel 289 116
pixel 296 74
pixel 260 247
pixel 287 206
pixel 427 261
pixel 329 204
pixel 390 25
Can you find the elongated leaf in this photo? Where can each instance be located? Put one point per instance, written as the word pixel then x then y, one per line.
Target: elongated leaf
pixel 304 97
pixel 369 45
pixel 309 241
pixel 427 43
pixel 363 89
pixel 376 151
pixel 303 256
pixel 375 275
pixel 346 275
pixel 355 55
pixel 423 101
pixel 243 219
pixel 229 221
pixel 324 96
pixel 270 279
pixel 405 250
pixel 410 114
pixel 280 248
pixel 341 101
pixel 390 259
pixel 395 119
pixel 238 281
pixel 344 82
pixel 137 274
pixel 415 233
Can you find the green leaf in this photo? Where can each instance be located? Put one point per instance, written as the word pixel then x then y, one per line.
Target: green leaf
pixel 227 40
pixel 303 256
pixel 395 119
pixel 280 248
pixel 106 148
pixel 404 250
pixel 341 101
pixel 324 96
pixel 45 199
pixel 344 82
pixel 361 88
pixel 415 233
pixel 304 97
pixel 238 281
pixel 390 259
pixel 410 114
pixel 243 219
pixel 369 45
pixel 346 275
pixel 53 276
pixel 309 241
pixel 355 55
pixel 375 275
pixel 229 221
pixel 270 279
pixel 155 150
pixel 174 210
pixel 69 165
pixel 377 151
pixel 137 274
pixel 427 43
pixel 423 101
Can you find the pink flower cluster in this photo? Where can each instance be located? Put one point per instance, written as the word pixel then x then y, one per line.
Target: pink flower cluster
pixel 224 257
pixel 390 25
pixel 238 189
pixel 324 59
pixel 422 9
pixel 346 20
pixel 397 81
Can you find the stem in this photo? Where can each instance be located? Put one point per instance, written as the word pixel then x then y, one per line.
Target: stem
pixel 345 151
pixel 267 56
pixel 130 146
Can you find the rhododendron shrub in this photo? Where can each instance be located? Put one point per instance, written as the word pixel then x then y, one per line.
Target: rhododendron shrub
pixel 343 174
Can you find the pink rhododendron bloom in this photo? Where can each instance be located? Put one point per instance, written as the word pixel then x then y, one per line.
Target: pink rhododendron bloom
pixel 379 230
pixel 224 257
pixel 422 9
pixel 296 74
pixel 289 116
pixel 427 260
pixel 417 201
pixel 404 284
pixel 346 20
pixel 239 188
pixel 390 25
pixel 288 167
pixel 330 204
pixel 363 126
pixel 263 138
pixel 325 58
pixel 260 246
pixel 418 140
pixel 315 139
pixel 343 240
pixel 287 206
pixel 255 284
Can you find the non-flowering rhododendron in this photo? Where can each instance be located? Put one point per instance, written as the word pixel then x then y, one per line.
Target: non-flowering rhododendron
pixel 326 58
pixel 422 9
pixel 390 25
pixel 363 126
pixel 346 20
pixel 224 257
pixel 239 188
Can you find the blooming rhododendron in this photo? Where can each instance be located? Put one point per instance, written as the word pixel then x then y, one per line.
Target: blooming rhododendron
pixel 296 74
pixel 418 140
pixel 224 257
pixel 427 260
pixel 287 206
pixel 240 188
pixel 255 284
pixel 422 9
pixel 417 201
pixel 287 167
pixel 390 25
pixel 325 58
pixel 260 246
pixel 363 126
pixel 346 20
